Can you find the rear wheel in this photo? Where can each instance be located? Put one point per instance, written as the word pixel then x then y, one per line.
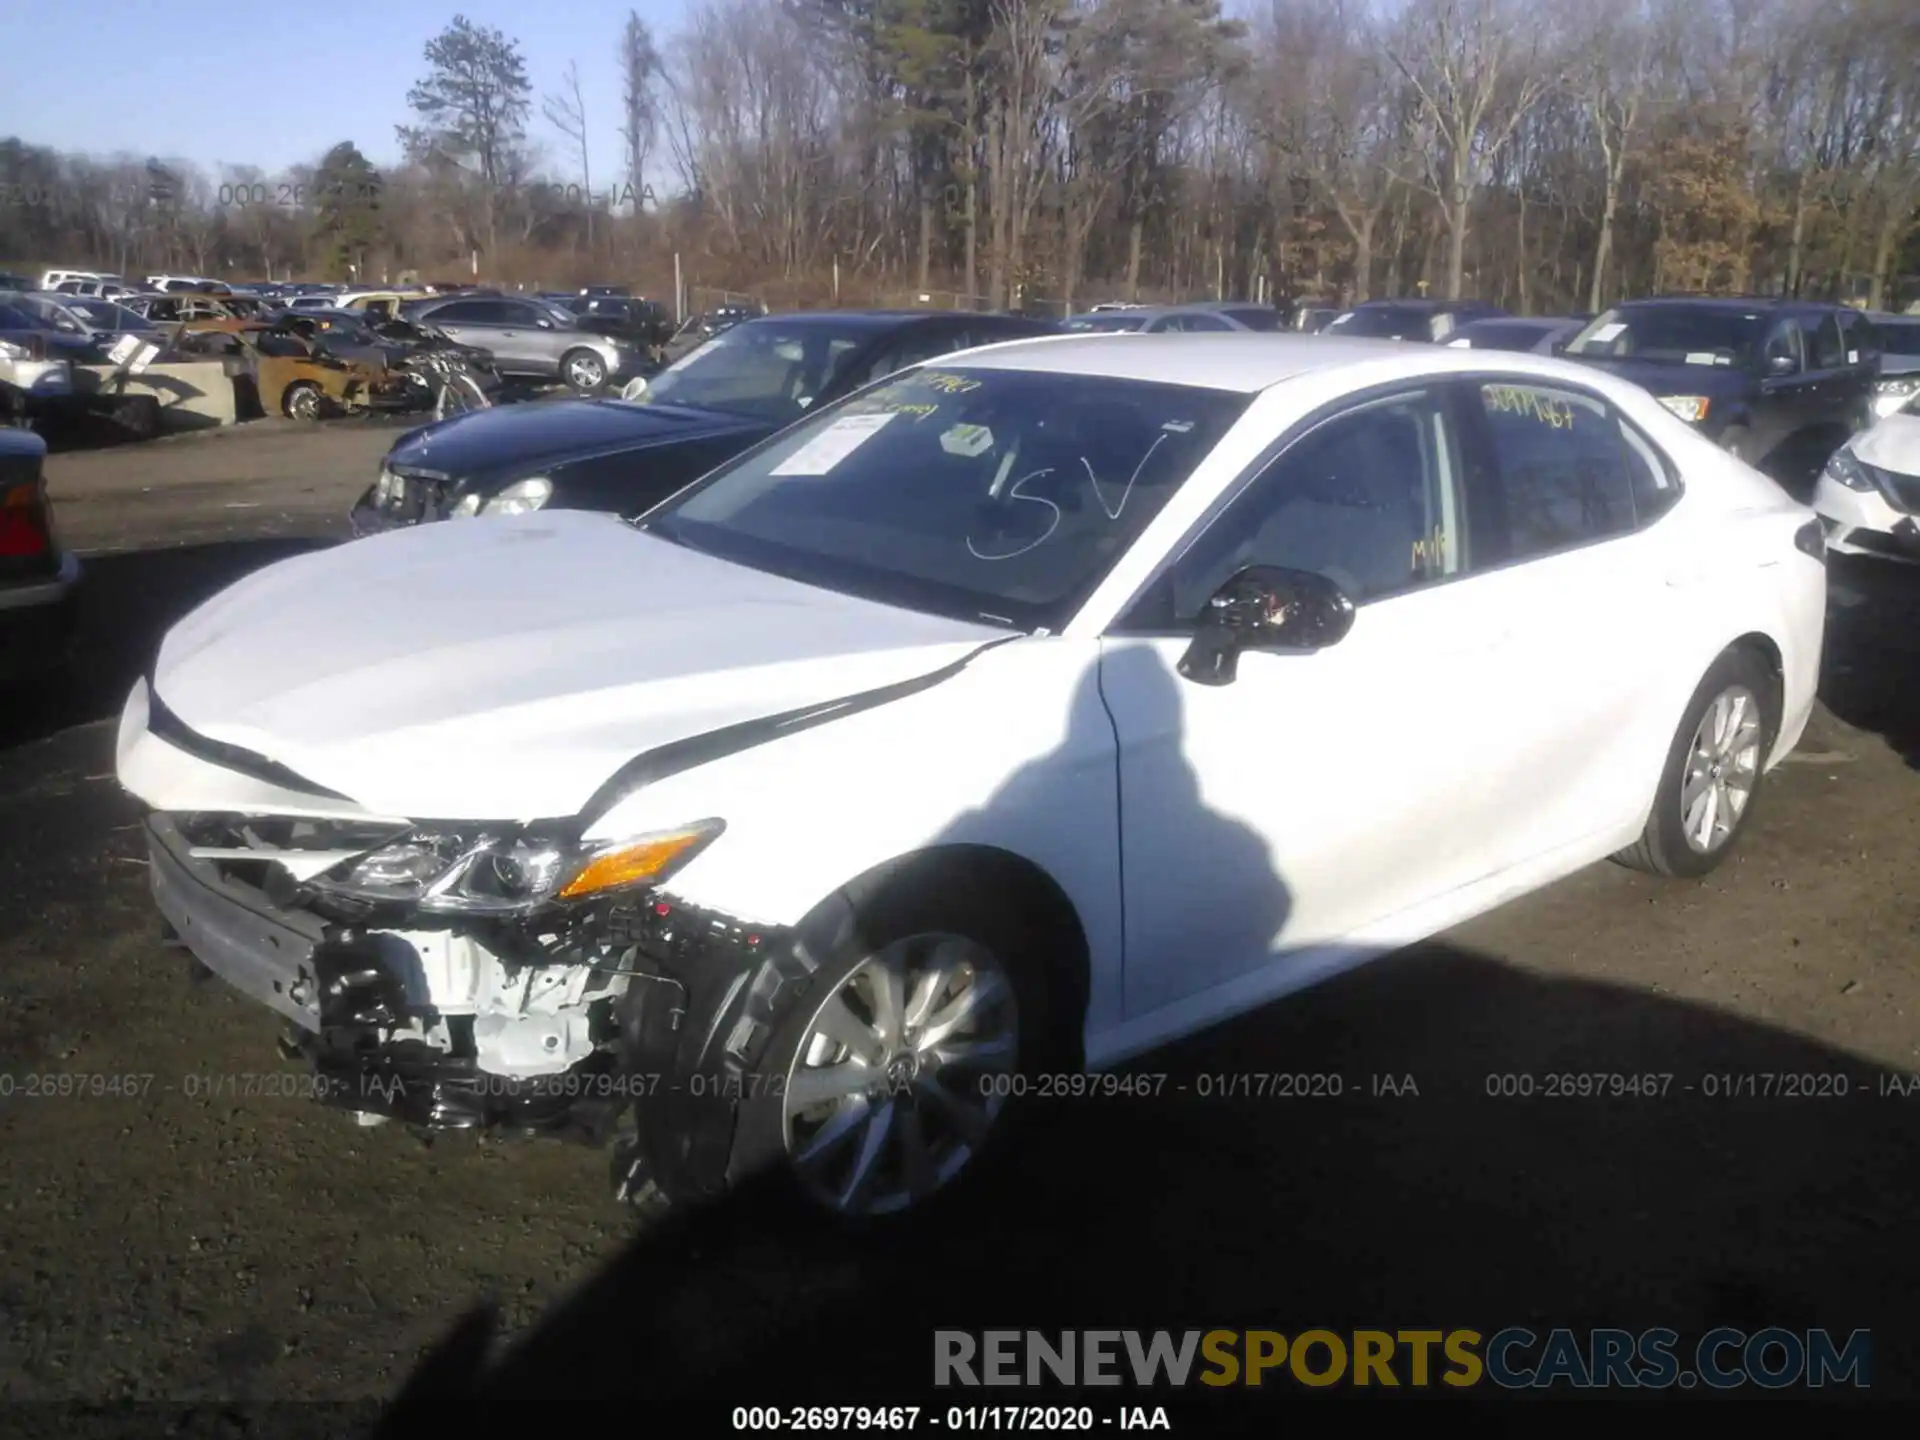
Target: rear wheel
pixel 583 369
pixel 1714 770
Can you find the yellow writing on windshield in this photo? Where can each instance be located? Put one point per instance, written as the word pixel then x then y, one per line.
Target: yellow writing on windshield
pixel 948 384
pixel 1516 400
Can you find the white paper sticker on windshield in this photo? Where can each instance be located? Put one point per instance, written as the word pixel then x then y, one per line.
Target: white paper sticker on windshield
pixel 1608 332
pixel 967 441
pixel 832 445
pixel 1853 357
pixel 1702 357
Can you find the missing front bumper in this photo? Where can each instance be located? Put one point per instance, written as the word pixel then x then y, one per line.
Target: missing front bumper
pixel 681 1010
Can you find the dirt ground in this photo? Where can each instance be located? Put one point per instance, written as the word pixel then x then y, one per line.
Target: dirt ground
pixel 196 1231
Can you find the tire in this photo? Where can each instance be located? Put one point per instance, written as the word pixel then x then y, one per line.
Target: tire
pixel 1665 847
pixel 583 370
pixel 303 401
pixel 911 925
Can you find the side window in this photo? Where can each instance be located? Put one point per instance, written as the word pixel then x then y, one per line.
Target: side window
pixel 1207 322
pixel 1783 344
pixel 1370 499
pixel 1862 339
pixel 461 312
pixel 1560 467
pixel 1656 489
pixel 1829 350
pixel 508 312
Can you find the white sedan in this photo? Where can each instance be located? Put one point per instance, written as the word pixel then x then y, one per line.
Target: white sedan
pixel 1026 710
pixel 1869 494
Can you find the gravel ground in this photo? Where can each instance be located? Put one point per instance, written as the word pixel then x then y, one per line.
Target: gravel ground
pixel 195 1231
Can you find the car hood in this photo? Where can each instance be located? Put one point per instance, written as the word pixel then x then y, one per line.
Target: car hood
pixel 1892 444
pixel 503 669
pixel 1720 380
pixel 516 437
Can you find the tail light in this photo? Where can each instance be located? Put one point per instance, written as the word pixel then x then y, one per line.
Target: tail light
pixel 26 527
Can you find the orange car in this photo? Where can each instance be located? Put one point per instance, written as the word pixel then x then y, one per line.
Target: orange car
pixel 296 377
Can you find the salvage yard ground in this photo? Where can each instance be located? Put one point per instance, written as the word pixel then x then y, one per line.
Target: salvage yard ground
pixel 215 1237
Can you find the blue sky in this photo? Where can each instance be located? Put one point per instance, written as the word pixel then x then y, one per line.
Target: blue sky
pixel 173 77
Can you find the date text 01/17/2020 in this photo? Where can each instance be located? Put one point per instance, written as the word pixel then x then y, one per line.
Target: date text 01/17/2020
pixel 830 1419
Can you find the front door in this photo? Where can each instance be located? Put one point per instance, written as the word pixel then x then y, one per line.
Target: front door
pixel 1319 795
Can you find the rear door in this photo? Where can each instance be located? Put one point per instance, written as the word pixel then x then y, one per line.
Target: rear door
pixel 1555 481
pixel 471 322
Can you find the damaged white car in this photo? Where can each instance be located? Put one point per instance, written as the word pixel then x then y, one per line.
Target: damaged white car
pixel 1022 712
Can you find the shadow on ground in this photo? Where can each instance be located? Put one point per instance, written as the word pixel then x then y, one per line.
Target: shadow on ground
pixel 1447 1209
pixel 1871 674
pixel 129 600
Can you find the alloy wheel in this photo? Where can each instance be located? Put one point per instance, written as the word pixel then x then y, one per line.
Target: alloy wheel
pixel 1723 766
pixel 901 1073
pixel 586 372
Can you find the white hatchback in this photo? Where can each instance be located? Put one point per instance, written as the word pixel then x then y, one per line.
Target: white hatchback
pixel 1026 710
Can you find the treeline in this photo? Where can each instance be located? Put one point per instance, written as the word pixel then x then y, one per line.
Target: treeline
pixel 1544 154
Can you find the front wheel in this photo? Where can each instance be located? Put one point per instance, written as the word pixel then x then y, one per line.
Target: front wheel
pixel 304 401
pixel 1713 772
pixel 584 370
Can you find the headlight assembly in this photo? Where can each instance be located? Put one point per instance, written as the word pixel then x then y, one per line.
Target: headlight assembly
pixel 520 497
pixel 386 486
pixel 466 508
pixel 509 873
pixel 1897 385
pixel 1691 408
pixel 1844 468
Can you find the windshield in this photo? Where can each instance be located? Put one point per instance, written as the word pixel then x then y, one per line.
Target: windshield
pixel 996 495
pixel 1672 335
pixel 768 369
pixel 109 316
pixel 1384 322
pixel 1109 320
pixel 1897 339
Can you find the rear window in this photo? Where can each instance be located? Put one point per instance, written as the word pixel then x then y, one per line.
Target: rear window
pixel 1901 337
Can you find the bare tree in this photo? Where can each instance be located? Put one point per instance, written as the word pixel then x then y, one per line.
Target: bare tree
pixel 640 100
pixel 566 111
pixel 1478 67
pixel 1612 82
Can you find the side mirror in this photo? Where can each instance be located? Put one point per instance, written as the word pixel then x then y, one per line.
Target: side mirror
pixel 544 324
pixel 1560 346
pixel 1782 365
pixel 1265 607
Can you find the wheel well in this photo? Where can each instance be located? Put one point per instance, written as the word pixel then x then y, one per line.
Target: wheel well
pixel 1768 653
pixel 1058 936
pixel 1763 646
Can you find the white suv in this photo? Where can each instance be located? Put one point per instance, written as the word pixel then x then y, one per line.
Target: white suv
pixel 1029 708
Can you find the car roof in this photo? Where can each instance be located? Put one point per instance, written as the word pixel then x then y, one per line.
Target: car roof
pixel 1245 361
pixel 1529 322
